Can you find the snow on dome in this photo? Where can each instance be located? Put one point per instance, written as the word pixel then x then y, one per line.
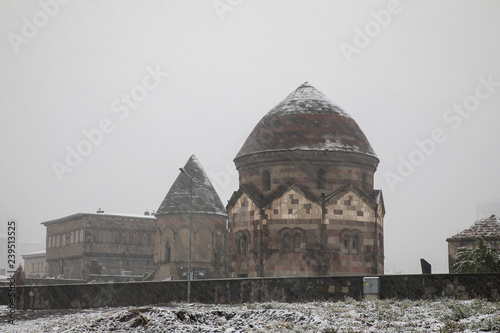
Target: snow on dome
pixel 205 198
pixel 306 120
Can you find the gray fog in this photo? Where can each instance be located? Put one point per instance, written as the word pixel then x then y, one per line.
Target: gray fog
pixel 102 102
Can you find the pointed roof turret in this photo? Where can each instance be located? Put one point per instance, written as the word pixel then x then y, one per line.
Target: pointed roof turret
pixel 306 120
pixel 205 198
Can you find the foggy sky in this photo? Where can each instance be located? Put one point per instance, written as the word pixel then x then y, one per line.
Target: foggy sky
pixel 203 74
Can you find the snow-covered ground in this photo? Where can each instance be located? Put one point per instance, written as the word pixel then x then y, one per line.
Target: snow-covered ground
pixel 445 315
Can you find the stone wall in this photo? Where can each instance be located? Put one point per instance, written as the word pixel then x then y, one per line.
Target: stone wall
pixel 87 243
pixel 233 291
pixel 172 246
pixel 294 236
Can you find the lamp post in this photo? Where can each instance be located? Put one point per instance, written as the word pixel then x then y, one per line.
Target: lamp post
pixel 190 220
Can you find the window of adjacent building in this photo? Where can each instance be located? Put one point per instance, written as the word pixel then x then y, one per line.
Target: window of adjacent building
pixel 48 242
pixel 321 179
pixel 118 237
pixel 63 239
pixel 266 180
pixel 95 235
pixel 149 238
pixel 57 240
pixel 107 236
pixel 71 237
pixel 81 235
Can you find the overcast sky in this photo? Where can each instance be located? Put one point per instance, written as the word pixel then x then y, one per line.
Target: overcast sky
pixel 136 87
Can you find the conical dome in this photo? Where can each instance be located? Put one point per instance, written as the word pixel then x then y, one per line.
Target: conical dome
pixel 205 198
pixel 306 120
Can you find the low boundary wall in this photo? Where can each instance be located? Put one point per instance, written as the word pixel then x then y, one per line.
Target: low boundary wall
pixel 232 291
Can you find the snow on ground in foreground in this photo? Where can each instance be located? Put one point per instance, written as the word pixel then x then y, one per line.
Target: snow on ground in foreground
pixel 349 316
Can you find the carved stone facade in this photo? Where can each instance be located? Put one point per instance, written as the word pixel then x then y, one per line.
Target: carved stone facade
pixel 208 227
pixel 306 205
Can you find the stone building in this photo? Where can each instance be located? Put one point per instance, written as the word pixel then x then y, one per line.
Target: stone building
pixel 306 205
pixel 488 229
pixel 35 264
pixel 88 245
pixel 208 228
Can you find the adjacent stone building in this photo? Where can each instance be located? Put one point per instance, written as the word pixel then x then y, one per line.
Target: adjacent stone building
pixel 35 264
pixel 209 217
pixel 488 229
pixel 306 205
pixel 85 245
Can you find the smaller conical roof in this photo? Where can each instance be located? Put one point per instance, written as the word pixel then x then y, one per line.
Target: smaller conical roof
pixel 205 198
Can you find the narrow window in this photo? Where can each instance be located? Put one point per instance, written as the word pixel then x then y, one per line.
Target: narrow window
pixel 266 180
pixel 118 237
pixel 286 242
pixel 321 179
pixel 244 244
pixel 96 236
pixel 355 245
pixel 167 252
pixel 347 244
pixel 296 241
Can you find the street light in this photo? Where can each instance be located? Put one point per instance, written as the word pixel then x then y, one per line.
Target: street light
pixel 190 220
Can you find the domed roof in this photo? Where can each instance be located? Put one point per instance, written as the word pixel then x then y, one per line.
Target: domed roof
pixel 205 198
pixel 306 120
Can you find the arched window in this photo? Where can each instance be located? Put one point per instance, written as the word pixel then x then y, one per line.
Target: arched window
pixel 296 241
pixel 243 244
pixel 354 244
pixel 346 244
pixel 321 179
pixel 266 180
pixel 167 251
pixel 286 242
